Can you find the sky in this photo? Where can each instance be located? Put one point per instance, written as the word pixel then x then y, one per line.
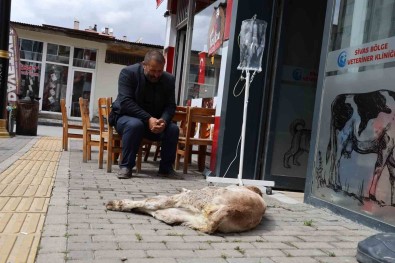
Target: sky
pixel 134 19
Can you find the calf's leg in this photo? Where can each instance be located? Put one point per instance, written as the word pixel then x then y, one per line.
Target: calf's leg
pixel 152 204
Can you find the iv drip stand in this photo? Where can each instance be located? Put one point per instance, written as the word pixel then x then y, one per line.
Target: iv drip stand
pixel 243 128
pixel 240 180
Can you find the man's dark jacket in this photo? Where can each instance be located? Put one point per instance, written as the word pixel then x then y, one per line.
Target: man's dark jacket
pixel 131 83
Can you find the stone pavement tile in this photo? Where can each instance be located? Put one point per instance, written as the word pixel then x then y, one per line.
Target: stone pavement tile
pixel 189 245
pixel 54 230
pixel 304 245
pixel 336 260
pixel 80 255
pixel 107 260
pixel 341 252
pixel 263 253
pixel 304 252
pixel 295 260
pixel 231 245
pixel 171 253
pixel 49 245
pixel 120 254
pixel 249 260
pixel 220 253
pixel 51 257
pixel 94 246
pixel 320 238
pixel 206 260
pixel 273 245
pixel 146 246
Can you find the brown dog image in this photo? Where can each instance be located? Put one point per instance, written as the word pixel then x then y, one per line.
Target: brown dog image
pixel 211 209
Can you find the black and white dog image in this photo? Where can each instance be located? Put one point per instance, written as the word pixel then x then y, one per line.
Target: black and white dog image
pixel 364 123
pixel 300 142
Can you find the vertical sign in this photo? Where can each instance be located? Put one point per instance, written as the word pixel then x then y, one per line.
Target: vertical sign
pixel 202 67
pixel 13 67
pixel 228 17
pixel 216 30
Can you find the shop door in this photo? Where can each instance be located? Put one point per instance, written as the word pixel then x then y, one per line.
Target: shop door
pixel 82 85
pixel 297 47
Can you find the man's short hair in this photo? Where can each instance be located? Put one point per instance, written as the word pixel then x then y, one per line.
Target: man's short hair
pixel 154 55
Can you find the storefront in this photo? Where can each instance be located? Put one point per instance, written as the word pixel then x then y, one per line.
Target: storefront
pixel 319 114
pixel 68 63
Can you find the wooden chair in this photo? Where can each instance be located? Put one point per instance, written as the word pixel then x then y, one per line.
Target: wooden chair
pixel 88 131
pixel 109 140
pixel 203 118
pixel 180 117
pixel 145 148
pixel 66 126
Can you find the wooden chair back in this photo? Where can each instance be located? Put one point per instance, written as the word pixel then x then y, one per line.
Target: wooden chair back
pixel 109 138
pixel 88 131
pixel 203 118
pixel 66 126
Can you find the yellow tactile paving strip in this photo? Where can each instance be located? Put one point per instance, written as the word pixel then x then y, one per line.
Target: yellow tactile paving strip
pixel 25 189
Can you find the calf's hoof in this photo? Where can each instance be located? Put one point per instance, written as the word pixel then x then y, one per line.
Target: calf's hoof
pixel 114 205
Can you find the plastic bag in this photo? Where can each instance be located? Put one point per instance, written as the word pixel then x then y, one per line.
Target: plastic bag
pixel 252 44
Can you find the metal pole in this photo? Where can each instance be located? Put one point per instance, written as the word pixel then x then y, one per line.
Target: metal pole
pixel 243 128
pixel 5 11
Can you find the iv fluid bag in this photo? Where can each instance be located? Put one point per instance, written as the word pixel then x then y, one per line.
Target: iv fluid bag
pixel 252 44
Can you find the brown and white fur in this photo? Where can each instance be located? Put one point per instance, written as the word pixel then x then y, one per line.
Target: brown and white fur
pixel 211 209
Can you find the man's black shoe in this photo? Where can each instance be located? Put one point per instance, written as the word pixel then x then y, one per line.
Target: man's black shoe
pixel 124 173
pixel 171 175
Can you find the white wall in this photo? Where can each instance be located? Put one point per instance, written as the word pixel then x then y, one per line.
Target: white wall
pixel 106 75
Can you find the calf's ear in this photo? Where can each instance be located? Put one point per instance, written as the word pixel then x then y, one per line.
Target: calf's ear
pixel 254 189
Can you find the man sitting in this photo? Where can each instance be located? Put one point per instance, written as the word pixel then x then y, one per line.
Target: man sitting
pixel 144 108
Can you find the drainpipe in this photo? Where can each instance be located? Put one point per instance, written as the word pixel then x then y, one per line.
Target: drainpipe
pixel 188 46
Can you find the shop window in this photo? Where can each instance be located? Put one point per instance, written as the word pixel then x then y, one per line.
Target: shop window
pixel 58 53
pixel 55 86
pixel 204 69
pixel 113 57
pixel 353 165
pixel 84 58
pixel 30 78
pixel 31 50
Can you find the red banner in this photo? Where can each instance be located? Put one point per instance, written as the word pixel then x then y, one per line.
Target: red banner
pixel 202 67
pixel 158 2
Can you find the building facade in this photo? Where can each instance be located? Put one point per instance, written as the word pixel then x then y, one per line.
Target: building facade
pixel 67 63
pixel 320 111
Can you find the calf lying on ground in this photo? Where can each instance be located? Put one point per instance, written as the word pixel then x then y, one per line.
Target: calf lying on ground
pixel 211 209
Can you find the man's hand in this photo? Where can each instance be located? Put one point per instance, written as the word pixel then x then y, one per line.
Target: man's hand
pixel 156 125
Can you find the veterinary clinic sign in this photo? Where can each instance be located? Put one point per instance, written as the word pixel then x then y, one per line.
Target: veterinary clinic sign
pixel 372 53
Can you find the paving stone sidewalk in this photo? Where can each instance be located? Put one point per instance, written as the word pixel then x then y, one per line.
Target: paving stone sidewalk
pixel 79 229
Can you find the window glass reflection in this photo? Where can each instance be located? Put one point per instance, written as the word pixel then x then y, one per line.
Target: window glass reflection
pixel 55 86
pixel 84 58
pixel 31 50
pixel 58 53
pixel 203 70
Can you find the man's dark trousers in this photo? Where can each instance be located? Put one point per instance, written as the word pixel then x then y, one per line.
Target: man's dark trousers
pixel 133 130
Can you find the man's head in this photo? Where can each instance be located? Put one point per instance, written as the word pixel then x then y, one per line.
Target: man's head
pixel 153 65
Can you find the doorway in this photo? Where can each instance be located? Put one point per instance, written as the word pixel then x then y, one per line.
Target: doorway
pixel 297 48
pixel 82 86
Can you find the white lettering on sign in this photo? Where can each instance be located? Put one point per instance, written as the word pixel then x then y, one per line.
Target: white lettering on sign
pixel 13 79
pixel 373 53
